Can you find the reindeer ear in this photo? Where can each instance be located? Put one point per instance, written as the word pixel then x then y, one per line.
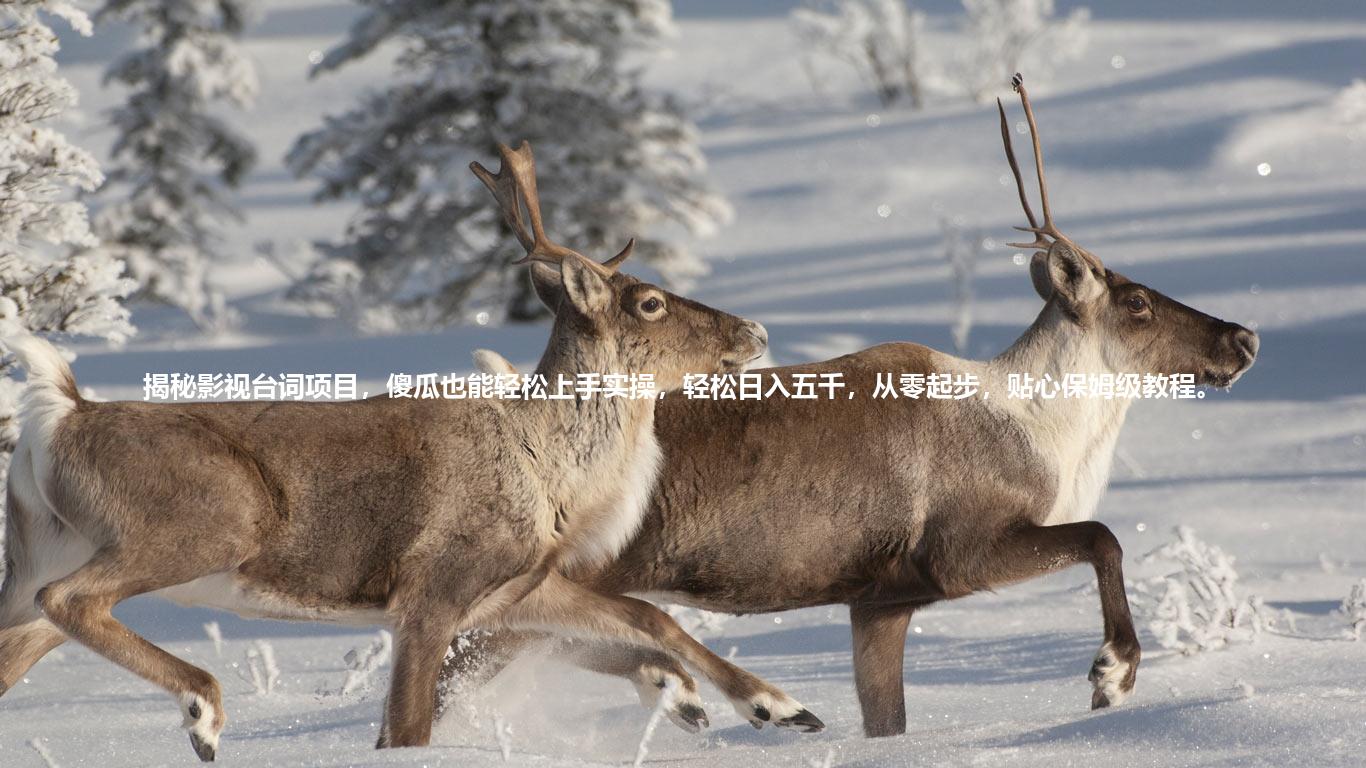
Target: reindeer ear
pixel 545 279
pixel 584 287
pixel 1038 274
pixel 1070 276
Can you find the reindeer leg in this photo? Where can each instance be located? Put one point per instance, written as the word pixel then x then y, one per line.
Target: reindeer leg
pixel 1036 550
pixel 649 670
pixel 22 646
pixel 422 637
pixel 478 657
pixel 559 602
pixel 80 604
pixel 879 653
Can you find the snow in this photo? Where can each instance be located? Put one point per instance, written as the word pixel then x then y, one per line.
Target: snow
pixel 1153 165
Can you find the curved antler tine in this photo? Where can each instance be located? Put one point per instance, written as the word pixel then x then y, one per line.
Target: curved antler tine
pixel 614 263
pixel 514 186
pixel 1015 166
pixel 504 190
pixel 1017 82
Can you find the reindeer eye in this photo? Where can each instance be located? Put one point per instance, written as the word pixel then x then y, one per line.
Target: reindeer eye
pixel 1137 303
pixel 651 305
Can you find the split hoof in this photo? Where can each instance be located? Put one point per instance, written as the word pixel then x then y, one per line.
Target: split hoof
pixel 689 717
pixel 1112 676
pixel 206 751
pixel 803 721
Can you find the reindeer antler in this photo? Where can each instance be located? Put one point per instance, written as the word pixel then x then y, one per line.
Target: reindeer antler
pixel 515 186
pixel 1049 229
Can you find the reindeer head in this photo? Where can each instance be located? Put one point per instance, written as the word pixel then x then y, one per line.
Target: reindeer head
pixel 1139 330
pixel 613 322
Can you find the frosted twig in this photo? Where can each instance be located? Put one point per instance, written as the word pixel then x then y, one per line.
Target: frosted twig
pixel 262 668
pixel 1129 462
pixel 960 251
pixel 665 703
pixel 1197 607
pixel 216 635
pixel 362 664
pixel 41 749
pixel 1354 608
pixel 502 731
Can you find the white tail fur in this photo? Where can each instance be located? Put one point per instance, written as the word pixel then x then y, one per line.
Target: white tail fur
pixel 51 392
pixel 45 365
pixel 488 361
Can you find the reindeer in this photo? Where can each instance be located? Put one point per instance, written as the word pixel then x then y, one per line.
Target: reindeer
pixel 891 505
pixel 429 516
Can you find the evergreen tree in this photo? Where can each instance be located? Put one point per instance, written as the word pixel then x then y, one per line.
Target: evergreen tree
pixel 177 161
pixel 44 285
pixel 426 247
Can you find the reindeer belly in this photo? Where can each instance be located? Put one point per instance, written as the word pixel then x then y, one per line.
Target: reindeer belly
pixel 230 592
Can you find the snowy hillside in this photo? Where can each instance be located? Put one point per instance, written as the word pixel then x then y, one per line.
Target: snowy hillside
pixel 1207 150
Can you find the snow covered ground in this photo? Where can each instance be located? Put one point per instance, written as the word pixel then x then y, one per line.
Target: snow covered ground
pixel 1154 141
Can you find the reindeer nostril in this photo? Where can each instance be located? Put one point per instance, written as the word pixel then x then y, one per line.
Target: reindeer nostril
pixel 1247 342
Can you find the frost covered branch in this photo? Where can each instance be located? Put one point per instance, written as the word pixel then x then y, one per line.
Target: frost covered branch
pixel 880 39
pixel 1002 37
pixel 264 673
pixel 362 664
pixel 1197 607
pixel 44 286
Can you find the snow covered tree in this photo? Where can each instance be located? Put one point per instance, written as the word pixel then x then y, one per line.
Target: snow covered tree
pixel 878 38
pixel 1008 36
pixel 44 285
pixel 427 247
pixel 177 159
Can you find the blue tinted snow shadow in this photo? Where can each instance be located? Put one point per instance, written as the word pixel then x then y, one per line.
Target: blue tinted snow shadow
pixel 163 621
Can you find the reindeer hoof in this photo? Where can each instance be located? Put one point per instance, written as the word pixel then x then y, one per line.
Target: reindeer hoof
pixel 777 708
pixel 206 751
pixel 689 717
pixel 803 721
pixel 1112 676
